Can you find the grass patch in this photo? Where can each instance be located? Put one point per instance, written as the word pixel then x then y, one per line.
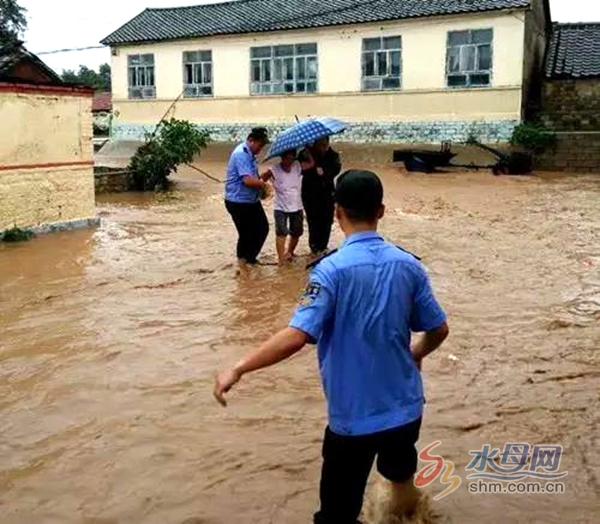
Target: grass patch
pixel 16 234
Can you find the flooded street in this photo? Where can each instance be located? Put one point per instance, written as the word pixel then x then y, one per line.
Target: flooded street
pixel 109 339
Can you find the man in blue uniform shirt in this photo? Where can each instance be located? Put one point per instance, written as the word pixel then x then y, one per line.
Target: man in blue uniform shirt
pixel 242 192
pixel 361 305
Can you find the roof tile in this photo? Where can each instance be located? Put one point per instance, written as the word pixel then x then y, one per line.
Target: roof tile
pixel 253 16
pixel 574 51
pixel 102 101
pixel 11 54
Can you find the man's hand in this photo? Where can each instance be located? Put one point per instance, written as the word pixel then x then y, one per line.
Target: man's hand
pixel 253 182
pixel 429 342
pixel 224 381
pixel 279 347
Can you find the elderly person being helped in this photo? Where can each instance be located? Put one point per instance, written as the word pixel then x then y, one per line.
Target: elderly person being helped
pixel 289 215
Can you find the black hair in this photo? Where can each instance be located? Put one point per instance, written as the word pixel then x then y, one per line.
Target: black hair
pixel 259 134
pixel 360 194
pixel 362 215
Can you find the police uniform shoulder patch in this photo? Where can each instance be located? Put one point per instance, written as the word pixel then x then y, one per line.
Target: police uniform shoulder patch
pixel 408 252
pixel 315 263
pixel 310 294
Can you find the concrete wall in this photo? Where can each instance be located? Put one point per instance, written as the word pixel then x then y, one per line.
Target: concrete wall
pixel 46 160
pixel 536 42
pixel 571 105
pixel 571 108
pixel 424 102
pixel 574 153
pixel 113 181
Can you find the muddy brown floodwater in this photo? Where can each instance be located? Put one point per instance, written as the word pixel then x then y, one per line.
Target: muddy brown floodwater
pixel 109 339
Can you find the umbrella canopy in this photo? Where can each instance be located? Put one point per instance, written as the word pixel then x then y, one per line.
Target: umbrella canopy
pixel 304 133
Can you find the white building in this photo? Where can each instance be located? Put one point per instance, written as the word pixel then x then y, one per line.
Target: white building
pixel 396 70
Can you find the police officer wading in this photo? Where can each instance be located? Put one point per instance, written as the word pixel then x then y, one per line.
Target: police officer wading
pixel 361 307
pixel 242 196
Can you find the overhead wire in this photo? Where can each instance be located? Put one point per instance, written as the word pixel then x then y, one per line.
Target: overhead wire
pixel 71 49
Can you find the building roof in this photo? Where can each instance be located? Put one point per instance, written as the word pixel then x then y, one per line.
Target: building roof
pixel 102 101
pixel 13 56
pixel 253 16
pixel 574 51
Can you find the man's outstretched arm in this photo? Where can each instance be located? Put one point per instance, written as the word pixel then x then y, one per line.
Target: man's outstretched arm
pixel 279 347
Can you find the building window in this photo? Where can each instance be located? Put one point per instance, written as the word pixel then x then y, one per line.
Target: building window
pixel 470 58
pixel 382 63
pixel 284 69
pixel 197 74
pixel 141 76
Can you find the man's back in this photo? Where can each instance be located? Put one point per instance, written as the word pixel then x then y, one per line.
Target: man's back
pixel 361 305
pixel 368 297
pixel 315 185
pixel 241 163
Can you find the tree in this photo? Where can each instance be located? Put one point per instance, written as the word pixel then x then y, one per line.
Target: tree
pixel 534 137
pixel 105 76
pixel 13 21
pixel 173 142
pixel 89 78
pixel 70 76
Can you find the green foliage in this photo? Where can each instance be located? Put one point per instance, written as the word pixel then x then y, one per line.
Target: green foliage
pixel 104 74
pixel 88 77
pixel 534 137
pixel 13 21
pixel 182 139
pixel 150 166
pixel 16 234
pixel 173 143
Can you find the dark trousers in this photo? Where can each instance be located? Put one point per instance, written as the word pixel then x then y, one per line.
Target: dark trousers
pixel 319 216
pixel 252 226
pixel 347 462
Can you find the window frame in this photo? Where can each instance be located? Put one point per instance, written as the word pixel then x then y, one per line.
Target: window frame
pixel 279 68
pixel 145 90
pixel 463 48
pixel 202 63
pixel 377 76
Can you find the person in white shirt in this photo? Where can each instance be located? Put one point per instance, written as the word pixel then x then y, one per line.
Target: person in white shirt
pixel 289 214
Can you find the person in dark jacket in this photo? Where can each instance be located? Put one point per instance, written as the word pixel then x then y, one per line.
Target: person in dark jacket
pixel 317 194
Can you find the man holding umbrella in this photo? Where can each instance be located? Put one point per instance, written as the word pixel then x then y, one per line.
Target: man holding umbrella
pixel 317 194
pixel 317 183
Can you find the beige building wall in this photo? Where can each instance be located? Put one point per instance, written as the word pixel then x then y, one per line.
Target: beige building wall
pixel 424 95
pixel 407 106
pixel 46 160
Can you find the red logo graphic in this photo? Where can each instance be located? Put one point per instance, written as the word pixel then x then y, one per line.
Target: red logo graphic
pixel 435 467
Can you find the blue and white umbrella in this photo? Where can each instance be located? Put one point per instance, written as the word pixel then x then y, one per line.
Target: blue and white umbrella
pixel 305 133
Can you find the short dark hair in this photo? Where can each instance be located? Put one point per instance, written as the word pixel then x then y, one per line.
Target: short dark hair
pixel 259 134
pixel 360 194
pixel 289 152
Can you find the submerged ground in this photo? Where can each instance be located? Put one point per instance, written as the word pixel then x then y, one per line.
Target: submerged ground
pixel 109 339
